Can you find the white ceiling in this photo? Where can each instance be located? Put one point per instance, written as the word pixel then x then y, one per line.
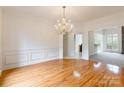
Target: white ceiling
pixel 75 13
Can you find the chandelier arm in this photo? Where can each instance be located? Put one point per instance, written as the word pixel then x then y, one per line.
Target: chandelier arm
pixel 64 26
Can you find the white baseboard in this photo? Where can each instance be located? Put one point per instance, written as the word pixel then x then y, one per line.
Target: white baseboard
pixel 72 58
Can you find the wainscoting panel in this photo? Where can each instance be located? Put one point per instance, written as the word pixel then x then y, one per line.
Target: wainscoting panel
pixel 12 59
pixel 35 55
pixel 16 58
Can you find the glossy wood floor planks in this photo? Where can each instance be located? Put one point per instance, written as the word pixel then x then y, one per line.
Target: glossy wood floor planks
pixel 64 73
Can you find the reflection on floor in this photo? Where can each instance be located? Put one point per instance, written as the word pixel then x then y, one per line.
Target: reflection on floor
pixel 67 72
pixel 111 58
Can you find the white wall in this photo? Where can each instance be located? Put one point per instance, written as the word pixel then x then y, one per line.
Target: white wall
pixel 0 40
pixel 115 20
pixel 85 50
pixel 91 43
pixel 69 46
pixel 28 39
pixel 61 47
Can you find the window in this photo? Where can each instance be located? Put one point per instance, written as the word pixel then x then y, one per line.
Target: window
pixel 112 41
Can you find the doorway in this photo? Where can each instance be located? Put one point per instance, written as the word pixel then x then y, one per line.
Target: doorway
pixel 105 46
pixel 72 46
pixel 78 45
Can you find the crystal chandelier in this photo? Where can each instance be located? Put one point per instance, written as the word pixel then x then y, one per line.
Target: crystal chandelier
pixel 64 25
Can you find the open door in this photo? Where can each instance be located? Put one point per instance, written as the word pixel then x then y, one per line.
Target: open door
pixel 78 45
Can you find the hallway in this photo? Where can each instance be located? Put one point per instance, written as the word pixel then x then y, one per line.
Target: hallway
pixel 109 58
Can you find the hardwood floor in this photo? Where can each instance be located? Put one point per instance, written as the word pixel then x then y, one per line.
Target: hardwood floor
pixel 61 73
